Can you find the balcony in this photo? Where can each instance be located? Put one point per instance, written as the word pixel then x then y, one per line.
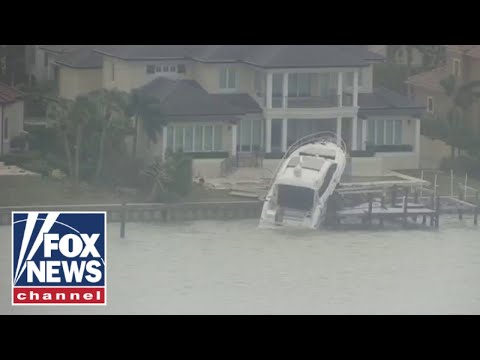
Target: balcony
pixel 313 102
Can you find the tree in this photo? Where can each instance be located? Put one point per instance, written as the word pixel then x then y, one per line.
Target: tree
pixel 58 116
pixel 71 117
pixel 110 108
pixel 147 110
pixel 461 98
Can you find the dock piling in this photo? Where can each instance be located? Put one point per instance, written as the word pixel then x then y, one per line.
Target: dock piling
pixel 370 208
pixel 437 212
pixel 477 208
pixel 123 218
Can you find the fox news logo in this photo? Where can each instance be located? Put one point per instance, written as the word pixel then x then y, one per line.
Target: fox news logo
pixel 59 258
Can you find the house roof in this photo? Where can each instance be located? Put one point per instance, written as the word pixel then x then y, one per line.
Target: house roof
pixel 188 98
pixel 430 79
pixel 82 57
pixel 9 94
pixel 267 56
pixel 383 101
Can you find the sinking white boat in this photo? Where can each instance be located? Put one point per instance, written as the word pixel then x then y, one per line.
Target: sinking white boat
pixel 305 178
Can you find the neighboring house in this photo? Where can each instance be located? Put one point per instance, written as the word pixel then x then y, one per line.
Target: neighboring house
pixel 400 54
pixel 41 60
pixel 463 62
pixel 11 116
pixel 224 100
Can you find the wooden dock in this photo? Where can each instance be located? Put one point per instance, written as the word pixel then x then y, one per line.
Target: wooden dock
pixel 407 210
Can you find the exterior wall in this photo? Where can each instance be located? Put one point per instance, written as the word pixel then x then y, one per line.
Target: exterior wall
pixel 88 80
pixel 432 152
pixel 440 100
pixel 74 82
pixel 372 166
pixel 68 86
pixel 36 66
pixel 14 113
pixel 133 74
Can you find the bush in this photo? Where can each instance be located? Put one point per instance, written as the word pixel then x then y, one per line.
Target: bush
pixel 20 158
pixel 37 166
pixel 45 140
pixel 19 141
pixel 182 174
pixel 389 148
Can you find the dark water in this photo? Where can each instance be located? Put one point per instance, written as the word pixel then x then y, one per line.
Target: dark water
pixel 208 267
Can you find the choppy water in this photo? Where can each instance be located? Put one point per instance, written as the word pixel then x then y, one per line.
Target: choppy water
pixel 208 267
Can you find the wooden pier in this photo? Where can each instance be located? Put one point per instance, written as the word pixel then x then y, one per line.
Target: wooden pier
pixel 404 210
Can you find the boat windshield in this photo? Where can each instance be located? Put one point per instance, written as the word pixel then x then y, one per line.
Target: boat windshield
pixel 295 197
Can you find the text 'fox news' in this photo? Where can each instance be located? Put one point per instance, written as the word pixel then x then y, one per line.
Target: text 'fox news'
pixel 59 258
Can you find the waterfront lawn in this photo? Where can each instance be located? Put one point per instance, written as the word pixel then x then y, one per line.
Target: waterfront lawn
pixel 27 190
pixel 33 190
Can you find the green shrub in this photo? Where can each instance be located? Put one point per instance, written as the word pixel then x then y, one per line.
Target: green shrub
pixel 20 158
pixel 37 166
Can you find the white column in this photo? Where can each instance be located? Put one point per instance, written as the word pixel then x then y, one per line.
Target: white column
pixel 417 136
pixel 269 89
pixel 284 134
pixel 268 135
pixel 164 141
pixel 285 91
pixel 364 135
pixel 234 139
pixel 355 88
pixel 340 89
pixel 339 129
pixel 354 132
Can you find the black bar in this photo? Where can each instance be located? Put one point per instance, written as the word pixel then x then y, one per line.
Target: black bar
pixel 394 195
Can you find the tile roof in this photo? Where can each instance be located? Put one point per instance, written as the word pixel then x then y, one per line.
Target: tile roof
pixel 387 102
pixel 188 98
pixel 268 56
pixel 430 79
pixel 9 94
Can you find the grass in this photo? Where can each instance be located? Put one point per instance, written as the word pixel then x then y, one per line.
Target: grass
pixel 33 190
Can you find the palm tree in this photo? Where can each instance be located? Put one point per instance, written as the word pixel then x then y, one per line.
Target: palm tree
pixel 110 108
pixel 461 98
pixel 147 110
pixel 161 175
pixel 58 116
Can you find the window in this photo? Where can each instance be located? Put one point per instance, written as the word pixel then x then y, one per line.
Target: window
pixel 208 139
pixel 178 138
pixel 165 68
pixel 158 68
pixel 228 78
pixel 217 134
pixel 181 68
pixel 299 85
pixel 150 69
pixel 384 132
pixel 188 146
pixel 5 128
pixel 430 107
pixel 360 78
pixel 45 59
pixel 456 67
pixel 173 68
pixel 199 138
pixel 198 144
pixel 113 71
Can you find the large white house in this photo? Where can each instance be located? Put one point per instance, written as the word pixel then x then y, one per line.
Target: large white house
pixel 254 100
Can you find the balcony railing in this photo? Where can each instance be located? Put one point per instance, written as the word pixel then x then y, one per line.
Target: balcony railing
pixel 306 102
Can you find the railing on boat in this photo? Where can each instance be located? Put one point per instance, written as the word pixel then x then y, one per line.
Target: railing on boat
pixel 320 137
